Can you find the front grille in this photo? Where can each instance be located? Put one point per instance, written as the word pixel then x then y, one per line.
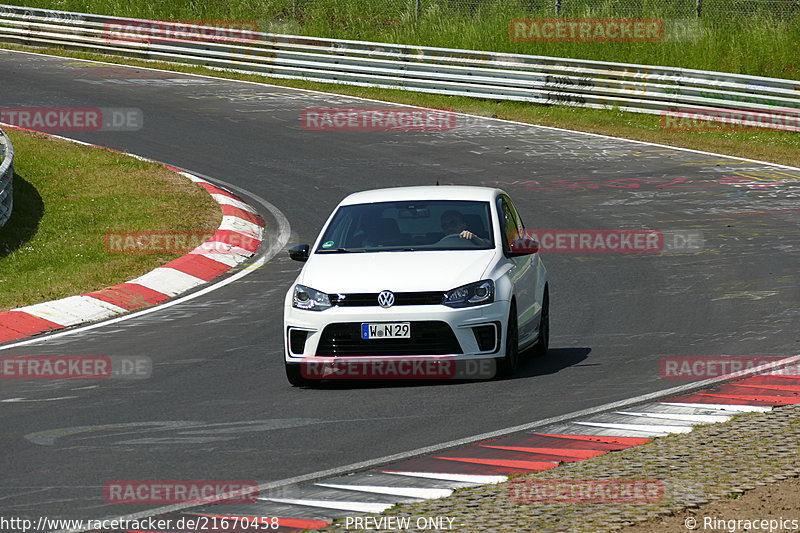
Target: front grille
pixel 369 299
pixel 427 338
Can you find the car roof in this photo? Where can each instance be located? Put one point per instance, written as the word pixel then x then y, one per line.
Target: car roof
pixel 431 192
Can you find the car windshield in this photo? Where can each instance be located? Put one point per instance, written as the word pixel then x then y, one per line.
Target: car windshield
pixel 409 226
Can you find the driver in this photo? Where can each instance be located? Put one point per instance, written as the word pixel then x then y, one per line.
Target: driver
pixel 453 223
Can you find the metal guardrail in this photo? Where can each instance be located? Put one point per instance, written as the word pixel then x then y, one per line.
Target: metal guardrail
pixel 747 100
pixel 6 178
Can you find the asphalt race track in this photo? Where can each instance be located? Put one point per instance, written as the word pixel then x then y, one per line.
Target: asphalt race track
pixel 218 405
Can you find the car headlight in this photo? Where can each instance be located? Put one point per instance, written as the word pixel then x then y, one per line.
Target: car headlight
pixel 478 293
pixel 310 299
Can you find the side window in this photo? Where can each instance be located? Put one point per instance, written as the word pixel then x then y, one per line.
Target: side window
pixel 517 219
pixel 510 223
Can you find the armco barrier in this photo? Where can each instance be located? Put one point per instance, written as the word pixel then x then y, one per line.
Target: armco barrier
pixel 6 178
pixel 746 100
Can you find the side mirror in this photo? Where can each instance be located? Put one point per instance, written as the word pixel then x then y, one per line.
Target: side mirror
pixel 299 252
pixel 524 244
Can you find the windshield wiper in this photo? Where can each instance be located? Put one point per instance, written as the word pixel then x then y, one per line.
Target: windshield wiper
pixel 342 251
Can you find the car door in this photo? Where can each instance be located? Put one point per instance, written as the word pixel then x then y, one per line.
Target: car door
pixel 523 273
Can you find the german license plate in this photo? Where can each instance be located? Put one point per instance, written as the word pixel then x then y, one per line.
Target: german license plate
pixel 386 330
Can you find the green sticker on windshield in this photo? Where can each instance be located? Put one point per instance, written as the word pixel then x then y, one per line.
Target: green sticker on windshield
pixel 328 244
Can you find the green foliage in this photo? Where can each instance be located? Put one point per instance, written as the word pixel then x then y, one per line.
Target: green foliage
pixel 757 42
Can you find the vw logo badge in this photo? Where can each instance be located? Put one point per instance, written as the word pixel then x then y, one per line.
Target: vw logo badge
pixel 385 299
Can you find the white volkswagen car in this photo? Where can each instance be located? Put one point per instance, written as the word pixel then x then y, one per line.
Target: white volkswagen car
pixel 418 272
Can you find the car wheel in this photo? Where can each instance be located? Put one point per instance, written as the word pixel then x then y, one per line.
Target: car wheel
pixel 508 364
pixel 543 339
pixel 295 375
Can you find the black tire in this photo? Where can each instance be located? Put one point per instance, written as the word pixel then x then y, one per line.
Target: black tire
pixel 543 339
pixel 507 366
pixel 295 375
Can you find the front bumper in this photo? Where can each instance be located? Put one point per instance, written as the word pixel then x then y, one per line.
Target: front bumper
pixel 305 334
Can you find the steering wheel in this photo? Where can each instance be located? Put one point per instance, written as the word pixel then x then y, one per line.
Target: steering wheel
pixel 451 237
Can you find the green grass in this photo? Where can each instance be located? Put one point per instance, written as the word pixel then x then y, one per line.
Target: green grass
pixel 759 43
pixel 66 198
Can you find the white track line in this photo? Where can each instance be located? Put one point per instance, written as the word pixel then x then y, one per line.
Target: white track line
pixel 168 281
pixel 478 479
pixel 654 430
pixel 723 407
pixel 408 492
pixel 359 507
pixel 73 310
pixel 700 419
